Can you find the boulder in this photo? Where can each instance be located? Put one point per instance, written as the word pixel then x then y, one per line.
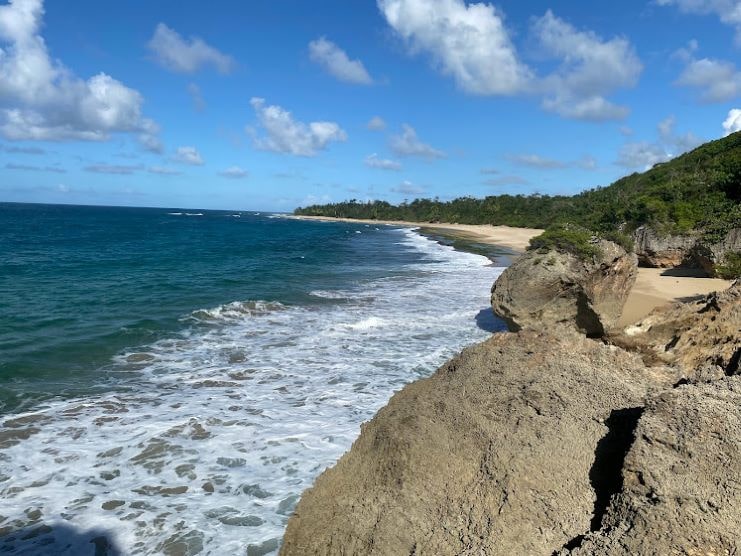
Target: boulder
pixel 709 256
pixel 540 290
pixel 700 337
pixel 681 491
pixel 513 447
pixel 664 250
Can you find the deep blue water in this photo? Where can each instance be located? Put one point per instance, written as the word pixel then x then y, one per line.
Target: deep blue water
pixel 80 283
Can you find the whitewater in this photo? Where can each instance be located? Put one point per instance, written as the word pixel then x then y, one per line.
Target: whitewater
pixel 210 435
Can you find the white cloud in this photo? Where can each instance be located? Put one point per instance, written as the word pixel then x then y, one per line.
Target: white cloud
pixel 21 150
pixel 335 61
pixel 489 171
pixel 535 161
pixel 118 170
pixel 587 162
pixel 373 161
pixel 591 69
pixel 717 80
pixel 468 42
pixel 182 56
pixel 472 44
pixel 234 172
pixel 644 154
pixel 188 155
pixel 40 99
pixel 376 123
pixel 163 171
pixel 506 180
pixel 733 122
pixel 408 188
pixel 283 134
pixel 33 168
pixel 408 144
pixel 195 94
pixel 728 11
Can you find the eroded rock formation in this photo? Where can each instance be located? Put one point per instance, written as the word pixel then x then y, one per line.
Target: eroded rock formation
pixel 701 337
pixel 540 290
pixel 510 448
pixel 681 492
pixel 663 250
pixel 541 443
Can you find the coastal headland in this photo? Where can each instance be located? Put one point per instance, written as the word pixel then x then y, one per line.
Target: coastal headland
pixel 654 287
pixel 568 435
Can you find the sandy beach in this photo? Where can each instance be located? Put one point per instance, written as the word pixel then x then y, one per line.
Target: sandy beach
pixel 653 288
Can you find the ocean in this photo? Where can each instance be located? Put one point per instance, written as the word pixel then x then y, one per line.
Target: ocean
pixel 171 380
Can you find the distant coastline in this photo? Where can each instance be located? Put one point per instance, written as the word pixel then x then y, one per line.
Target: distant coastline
pixel 655 287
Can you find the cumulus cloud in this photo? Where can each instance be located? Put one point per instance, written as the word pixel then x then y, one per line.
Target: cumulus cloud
pixel 234 172
pixel 591 69
pixel 471 43
pixel 506 180
pixel 716 80
pixel 644 154
pixel 163 171
pixel 373 161
pixel 335 61
pixel 733 122
pixel 32 168
pixel 536 161
pixel 188 155
pixel 728 11
pixel 283 134
pixel 180 55
pixel 376 123
pixel 115 169
pixel 40 99
pixel 408 144
pixel 408 188
pixel 467 42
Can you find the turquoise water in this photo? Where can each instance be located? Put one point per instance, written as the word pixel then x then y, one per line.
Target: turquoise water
pixel 176 377
pixel 78 284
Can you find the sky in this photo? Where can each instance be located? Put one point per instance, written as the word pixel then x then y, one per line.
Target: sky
pixel 274 104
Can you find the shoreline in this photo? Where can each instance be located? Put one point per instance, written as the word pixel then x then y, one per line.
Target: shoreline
pixel 654 287
pixel 516 239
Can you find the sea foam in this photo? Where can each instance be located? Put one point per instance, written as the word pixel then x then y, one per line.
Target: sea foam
pixel 210 436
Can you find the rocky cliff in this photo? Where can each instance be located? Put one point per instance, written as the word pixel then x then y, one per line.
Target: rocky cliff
pixel 660 250
pixel 539 442
pixel 587 294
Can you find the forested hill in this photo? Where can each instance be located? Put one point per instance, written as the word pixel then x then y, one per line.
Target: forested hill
pixel 698 190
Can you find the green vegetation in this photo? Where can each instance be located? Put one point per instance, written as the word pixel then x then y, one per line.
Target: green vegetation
pixel 567 238
pixel 731 267
pixel 698 190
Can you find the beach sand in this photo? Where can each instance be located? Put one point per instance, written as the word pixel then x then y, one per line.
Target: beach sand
pixel 654 287
pixel 504 236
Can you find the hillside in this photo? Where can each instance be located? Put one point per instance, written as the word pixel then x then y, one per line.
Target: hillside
pixel 700 190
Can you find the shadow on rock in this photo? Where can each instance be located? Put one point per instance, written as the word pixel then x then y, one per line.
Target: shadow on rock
pixel 487 320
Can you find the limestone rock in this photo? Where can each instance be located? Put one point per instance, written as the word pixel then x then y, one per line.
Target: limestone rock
pixel 709 256
pixel 664 251
pixel 681 492
pixel 494 454
pixel 540 290
pixel 693 335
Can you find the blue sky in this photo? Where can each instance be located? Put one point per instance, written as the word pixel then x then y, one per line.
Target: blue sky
pixel 269 105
